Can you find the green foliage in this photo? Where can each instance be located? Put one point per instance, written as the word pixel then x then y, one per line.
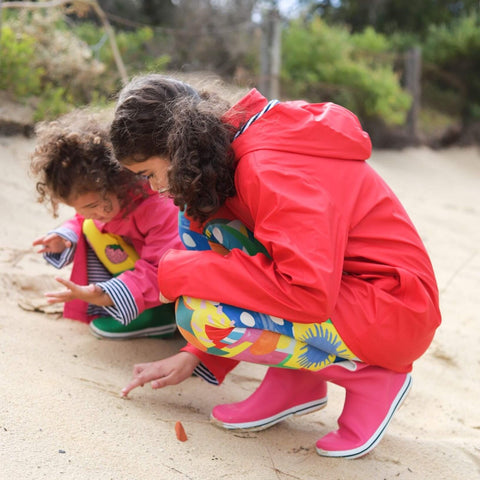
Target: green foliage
pixel 17 53
pixel 452 66
pixel 448 31
pixel 370 41
pixel 65 65
pixel 54 102
pixel 393 16
pixel 66 72
pixel 67 61
pixel 17 56
pixel 157 64
pixel 402 41
pixel 322 63
pixel 449 41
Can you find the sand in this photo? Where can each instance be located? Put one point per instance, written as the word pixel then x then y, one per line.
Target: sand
pixel 61 414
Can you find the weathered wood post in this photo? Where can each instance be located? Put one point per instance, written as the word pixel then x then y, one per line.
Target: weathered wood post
pixel 270 54
pixel 413 72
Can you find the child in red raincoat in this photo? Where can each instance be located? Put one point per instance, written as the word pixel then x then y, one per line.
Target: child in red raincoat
pixel 299 256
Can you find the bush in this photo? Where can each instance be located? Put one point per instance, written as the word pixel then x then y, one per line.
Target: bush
pixel 66 66
pixel 322 63
pixel 17 55
pixel 65 59
pixel 452 67
pixel 43 60
pixel 55 101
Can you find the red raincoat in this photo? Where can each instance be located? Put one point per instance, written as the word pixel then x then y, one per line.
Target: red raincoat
pixel 341 244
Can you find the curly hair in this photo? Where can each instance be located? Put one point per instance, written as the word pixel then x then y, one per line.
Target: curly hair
pixel 73 156
pixel 160 116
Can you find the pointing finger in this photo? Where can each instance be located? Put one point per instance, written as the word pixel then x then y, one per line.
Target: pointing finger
pixel 136 382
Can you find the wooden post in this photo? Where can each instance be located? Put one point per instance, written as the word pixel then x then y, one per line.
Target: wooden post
pixel 413 71
pixel 270 54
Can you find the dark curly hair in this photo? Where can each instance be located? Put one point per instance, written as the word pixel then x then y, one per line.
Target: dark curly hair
pixel 160 116
pixel 74 155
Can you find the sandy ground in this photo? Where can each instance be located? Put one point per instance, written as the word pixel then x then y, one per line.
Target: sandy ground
pixel 61 415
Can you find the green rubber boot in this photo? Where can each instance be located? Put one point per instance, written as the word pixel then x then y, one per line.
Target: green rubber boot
pixel 158 322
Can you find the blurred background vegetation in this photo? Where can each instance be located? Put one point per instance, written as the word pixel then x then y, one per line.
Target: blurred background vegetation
pixel 56 56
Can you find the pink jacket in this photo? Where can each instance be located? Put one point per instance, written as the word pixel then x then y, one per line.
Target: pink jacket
pixel 151 228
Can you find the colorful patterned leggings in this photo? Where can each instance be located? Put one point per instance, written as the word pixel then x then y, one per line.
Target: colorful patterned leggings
pixel 229 331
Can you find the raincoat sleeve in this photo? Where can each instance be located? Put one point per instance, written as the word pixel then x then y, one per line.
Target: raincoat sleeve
pixel 304 234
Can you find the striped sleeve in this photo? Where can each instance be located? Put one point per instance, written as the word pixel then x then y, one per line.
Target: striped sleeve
pixel 124 309
pixel 203 372
pixel 59 260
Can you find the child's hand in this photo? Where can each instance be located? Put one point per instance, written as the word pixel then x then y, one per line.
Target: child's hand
pixel 52 243
pixel 88 293
pixel 169 371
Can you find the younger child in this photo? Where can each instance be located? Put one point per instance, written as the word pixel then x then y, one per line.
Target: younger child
pixel 120 230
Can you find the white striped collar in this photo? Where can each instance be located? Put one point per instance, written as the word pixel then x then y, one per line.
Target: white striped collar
pixel 265 109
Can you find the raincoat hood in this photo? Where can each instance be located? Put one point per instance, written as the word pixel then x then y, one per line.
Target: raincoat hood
pixel 323 129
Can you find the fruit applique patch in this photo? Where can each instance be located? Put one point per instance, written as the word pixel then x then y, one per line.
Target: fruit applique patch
pixel 115 254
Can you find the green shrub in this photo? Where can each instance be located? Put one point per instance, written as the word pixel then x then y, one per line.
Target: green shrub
pixel 322 63
pixel 451 56
pixel 45 60
pixel 65 60
pixel 67 64
pixel 17 54
pixel 54 102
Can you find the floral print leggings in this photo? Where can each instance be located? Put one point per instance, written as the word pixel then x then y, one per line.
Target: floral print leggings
pixel 229 331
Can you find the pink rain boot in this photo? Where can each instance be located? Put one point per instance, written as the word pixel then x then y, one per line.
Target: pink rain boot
pixel 282 393
pixel 373 394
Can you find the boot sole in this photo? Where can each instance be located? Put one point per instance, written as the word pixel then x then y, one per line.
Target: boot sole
pixel 146 332
pixel 265 423
pixel 372 442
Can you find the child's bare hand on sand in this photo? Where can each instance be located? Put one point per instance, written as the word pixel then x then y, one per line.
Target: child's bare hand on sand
pixel 88 293
pixel 52 243
pixel 168 371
